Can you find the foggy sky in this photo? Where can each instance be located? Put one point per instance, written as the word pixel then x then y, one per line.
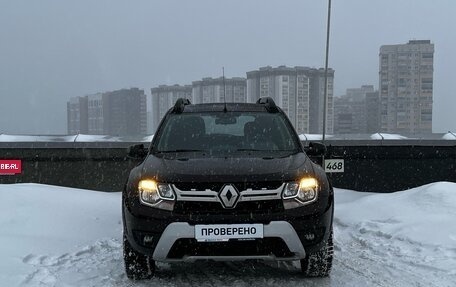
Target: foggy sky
pixel 53 50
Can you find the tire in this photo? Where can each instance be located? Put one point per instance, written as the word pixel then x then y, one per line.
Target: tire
pixel 137 265
pixel 319 263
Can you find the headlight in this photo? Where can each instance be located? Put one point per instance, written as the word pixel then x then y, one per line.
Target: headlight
pixel 153 194
pixel 305 191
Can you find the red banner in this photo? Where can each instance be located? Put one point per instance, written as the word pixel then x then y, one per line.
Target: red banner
pixel 10 166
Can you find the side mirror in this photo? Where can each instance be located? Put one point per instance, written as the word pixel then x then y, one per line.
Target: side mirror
pixel 137 151
pixel 316 149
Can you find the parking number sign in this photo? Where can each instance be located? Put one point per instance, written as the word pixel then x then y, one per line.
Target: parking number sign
pixel 334 165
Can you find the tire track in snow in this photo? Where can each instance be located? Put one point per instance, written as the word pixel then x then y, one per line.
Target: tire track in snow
pixel 383 259
pixel 355 264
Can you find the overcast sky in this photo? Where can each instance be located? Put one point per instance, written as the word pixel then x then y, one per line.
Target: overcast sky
pixel 53 50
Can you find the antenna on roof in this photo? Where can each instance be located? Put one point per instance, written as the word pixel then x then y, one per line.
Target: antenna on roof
pixel 224 90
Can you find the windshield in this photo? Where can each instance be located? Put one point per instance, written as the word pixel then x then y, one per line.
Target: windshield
pixel 226 132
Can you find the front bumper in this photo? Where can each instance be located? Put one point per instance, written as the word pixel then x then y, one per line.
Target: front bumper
pixel 277 229
pixel 297 232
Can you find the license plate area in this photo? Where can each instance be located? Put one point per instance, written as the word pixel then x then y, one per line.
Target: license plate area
pixel 225 232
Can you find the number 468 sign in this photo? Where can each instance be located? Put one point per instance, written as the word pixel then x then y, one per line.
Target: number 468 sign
pixel 334 165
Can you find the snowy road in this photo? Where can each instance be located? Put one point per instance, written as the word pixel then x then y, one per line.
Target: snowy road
pixel 52 236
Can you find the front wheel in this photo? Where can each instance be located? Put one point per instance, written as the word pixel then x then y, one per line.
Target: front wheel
pixel 137 265
pixel 319 263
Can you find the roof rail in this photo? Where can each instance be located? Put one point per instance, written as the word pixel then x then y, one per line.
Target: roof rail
pixel 180 105
pixel 269 104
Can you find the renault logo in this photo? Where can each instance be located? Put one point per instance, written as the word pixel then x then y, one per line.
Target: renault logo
pixel 228 196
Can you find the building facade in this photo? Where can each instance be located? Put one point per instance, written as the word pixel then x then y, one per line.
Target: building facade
pixel 96 106
pixel 372 112
pixel 218 90
pixel 208 90
pixel 77 118
pixel 299 91
pixel 116 113
pixel 406 87
pixel 356 111
pixel 125 112
pixel 163 98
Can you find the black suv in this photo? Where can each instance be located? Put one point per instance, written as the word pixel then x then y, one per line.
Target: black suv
pixel 227 182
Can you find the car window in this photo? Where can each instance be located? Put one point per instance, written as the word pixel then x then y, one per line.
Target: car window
pixel 226 132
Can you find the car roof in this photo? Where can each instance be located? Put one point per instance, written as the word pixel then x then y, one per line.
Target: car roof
pixel 230 107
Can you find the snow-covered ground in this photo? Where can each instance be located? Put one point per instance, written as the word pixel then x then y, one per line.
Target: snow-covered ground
pixel 383 136
pixel 70 138
pixel 148 139
pixel 313 137
pixel 449 136
pixel 54 236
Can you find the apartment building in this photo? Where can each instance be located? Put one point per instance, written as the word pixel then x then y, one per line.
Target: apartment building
pixel 299 91
pixel 406 87
pixel 117 113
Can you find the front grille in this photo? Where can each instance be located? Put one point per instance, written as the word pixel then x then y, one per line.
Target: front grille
pixel 258 247
pixel 206 198
pixel 217 186
pixel 208 208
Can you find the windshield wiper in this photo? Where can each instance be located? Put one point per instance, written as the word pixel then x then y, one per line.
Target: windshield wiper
pixel 249 149
pixel 280 151
pixel 266 150
pixel 180 150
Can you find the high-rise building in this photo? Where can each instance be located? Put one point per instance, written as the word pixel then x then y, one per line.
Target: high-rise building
pixel 96 106
pixel 150 120
pixel 406 87
pixel 351 111
pixel 117 113
pixel 372 112
pixel 299 91
pixel 125 112
pixel 77 116
pixel 164 97
pixel 210 90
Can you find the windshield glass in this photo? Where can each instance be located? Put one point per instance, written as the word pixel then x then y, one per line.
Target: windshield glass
pixel 226 132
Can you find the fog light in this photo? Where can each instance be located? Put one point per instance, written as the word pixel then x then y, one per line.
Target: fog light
pixel 148 239
pixel 309 236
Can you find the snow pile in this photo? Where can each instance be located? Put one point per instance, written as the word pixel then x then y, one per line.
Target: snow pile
pixel 449 136
pixel 383 136
pixel 313 137
pixel 147 138
pixel 55 236
pixel 71 138
pixel 40 225
pixel 425 215
pixel 410 233
pixel 31 138
pixel 95 138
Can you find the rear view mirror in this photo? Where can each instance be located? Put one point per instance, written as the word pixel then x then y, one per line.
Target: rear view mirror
pixel 137 151
pixel 316 148
pixel 225 120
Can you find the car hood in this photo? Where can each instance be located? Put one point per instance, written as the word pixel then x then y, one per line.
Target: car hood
pixel 226 169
